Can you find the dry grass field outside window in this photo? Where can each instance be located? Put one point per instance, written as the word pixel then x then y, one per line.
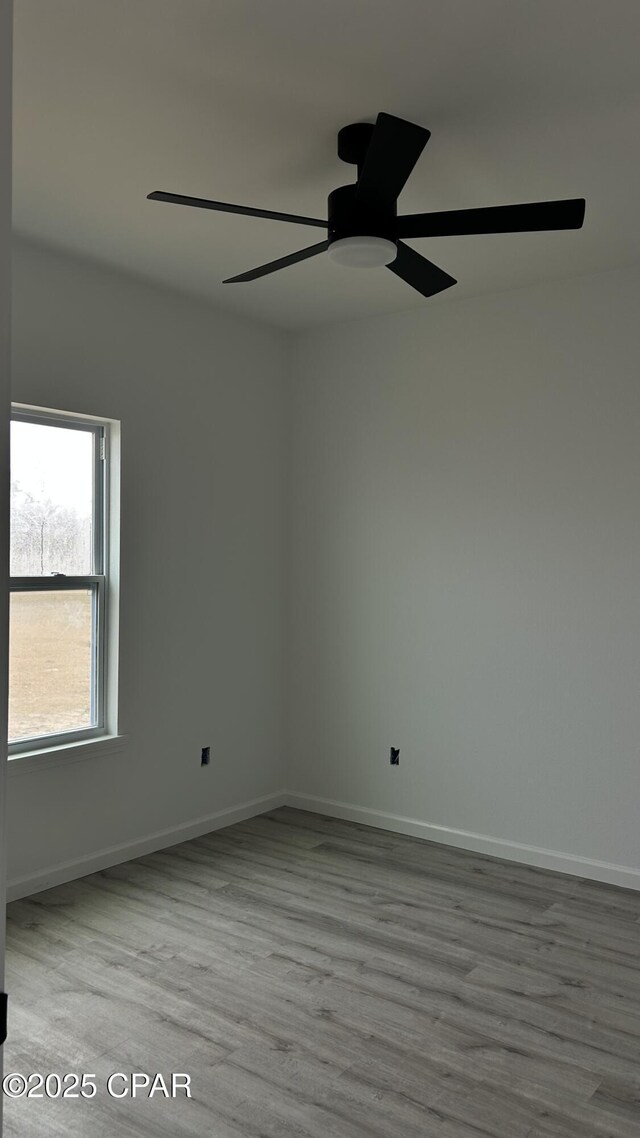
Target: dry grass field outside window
pixel 50 662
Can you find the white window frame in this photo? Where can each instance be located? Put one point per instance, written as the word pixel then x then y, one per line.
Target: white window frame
pixel 97 582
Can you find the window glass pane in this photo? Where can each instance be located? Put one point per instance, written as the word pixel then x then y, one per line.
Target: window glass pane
pixel 52 471
pixel 50 662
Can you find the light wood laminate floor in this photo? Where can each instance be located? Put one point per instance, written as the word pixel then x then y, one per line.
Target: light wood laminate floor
pixel 321 979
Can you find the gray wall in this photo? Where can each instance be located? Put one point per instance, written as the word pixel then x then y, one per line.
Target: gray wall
pixel 200 397
pixel 465 560
pixel 443 504
pixel 5 360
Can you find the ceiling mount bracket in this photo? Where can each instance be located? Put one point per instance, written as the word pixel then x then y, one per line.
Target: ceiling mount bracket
pixel 353 143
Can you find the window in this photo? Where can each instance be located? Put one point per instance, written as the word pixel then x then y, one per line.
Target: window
pixel 58 566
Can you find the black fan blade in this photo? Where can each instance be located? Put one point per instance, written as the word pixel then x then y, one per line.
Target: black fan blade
pixel 273 266
pixel 533 217
pixel 226 207
pixel 421 274
pixel 391 155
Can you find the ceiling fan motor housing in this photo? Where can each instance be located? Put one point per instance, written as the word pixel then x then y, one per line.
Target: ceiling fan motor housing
pixel 349 217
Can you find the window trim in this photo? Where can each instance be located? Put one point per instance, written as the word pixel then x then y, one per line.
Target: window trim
pixel 99 582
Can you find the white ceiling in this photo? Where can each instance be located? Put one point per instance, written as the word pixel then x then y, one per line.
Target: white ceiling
pixel 241 100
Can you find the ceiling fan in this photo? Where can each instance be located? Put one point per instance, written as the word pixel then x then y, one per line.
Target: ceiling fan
pixel 364 230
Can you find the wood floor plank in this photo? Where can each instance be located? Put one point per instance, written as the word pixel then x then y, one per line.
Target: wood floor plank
pixel 321 979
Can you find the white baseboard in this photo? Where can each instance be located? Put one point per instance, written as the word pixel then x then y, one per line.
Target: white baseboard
pixel 114 855
pixel 612 874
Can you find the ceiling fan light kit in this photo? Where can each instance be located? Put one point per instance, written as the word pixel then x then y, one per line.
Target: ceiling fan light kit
pixel 362 252
pixel 363 227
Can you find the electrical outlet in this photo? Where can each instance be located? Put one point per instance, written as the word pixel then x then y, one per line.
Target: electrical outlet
pixel 205 756
pixel 394 757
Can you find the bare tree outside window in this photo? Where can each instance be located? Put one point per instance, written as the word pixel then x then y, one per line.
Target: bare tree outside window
pixel 47 537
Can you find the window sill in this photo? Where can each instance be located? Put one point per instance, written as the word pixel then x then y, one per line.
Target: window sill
pixel 28 762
